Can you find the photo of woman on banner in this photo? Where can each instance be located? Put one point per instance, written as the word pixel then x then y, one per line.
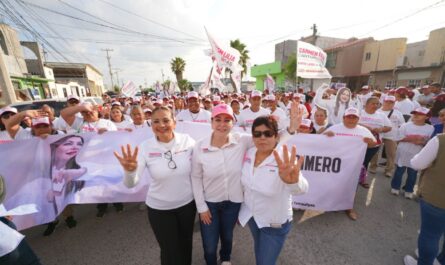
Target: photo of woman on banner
pixel 335 106
pixel 65 170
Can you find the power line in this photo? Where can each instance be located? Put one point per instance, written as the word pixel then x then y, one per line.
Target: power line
pixel 149 20
pixel 404 17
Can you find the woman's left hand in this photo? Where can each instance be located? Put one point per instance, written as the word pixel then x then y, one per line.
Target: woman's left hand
pixel 296 115
pixel 289 171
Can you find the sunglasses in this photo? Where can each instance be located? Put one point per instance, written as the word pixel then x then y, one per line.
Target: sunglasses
pixel 267 134
pixel 7 115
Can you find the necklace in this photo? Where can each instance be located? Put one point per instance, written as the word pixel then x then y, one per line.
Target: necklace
pixel 194 117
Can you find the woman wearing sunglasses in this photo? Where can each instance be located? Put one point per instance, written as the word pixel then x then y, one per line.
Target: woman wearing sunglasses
pixel 171 209
pixel 269 181
pixel 216 171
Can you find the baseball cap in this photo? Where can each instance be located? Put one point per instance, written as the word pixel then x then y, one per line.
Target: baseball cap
pixel 73 97
pixel 216 98
pixel 158 101
pixel 366 87
pixel 255 93
pixel 40 120
pixel 222 109
pixel 192 94
pixel 147 110
pixel 8 109
pixel 402 91
pixel 440 98
pixel 116 103
pixel 389 98
pixel 421 110
pixel 306 123
pixel 351 112
pixel 270 97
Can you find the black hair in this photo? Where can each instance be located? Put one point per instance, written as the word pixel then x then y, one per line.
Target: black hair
pixel 269 121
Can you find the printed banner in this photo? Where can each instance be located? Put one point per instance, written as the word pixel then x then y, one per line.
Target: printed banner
pixel 332 167
pixel 129 89
pixel 311 61
pixel 225 56
pixel 270 84
pixel 75 169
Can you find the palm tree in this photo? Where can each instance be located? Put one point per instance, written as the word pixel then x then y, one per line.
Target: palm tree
pixel 241 47
pixel 178 66
pixel 244 56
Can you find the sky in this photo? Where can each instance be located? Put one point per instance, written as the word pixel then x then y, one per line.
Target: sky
pixel 146 34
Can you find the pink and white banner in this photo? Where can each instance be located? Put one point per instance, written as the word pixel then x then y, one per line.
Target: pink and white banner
pixel 311 61
pixel 129 89
pixel 76 169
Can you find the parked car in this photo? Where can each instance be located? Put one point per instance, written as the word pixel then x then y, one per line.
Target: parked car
pixel 57 104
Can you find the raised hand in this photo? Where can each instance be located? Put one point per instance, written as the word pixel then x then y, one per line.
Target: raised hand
pixel 288 170
pixel 296 115
pixel 128 160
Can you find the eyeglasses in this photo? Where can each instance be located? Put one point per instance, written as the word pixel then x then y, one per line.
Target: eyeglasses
pixel 8 115
pixel 267 134
pixel 171 163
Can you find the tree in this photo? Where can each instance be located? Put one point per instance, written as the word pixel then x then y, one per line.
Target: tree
pixel 290 69
pixel 178 66
pixel 185 85
pixel 244 56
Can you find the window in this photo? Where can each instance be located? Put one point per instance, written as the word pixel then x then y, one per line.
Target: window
pixel 65 95
pixel 367 56
pixel 422 53
pixel 331 60
pixel 415 82
pixel 391 83
pixel 54 92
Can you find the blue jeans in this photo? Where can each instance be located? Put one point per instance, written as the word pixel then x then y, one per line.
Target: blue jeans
pixel 224 217
pixel 431 229
pixel 410 180
pixel 268 242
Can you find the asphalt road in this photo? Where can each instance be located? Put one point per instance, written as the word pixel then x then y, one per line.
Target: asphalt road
pixel 385 231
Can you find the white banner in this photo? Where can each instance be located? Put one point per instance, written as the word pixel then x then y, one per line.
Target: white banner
pixel 31 169
pixel 311 61
pixel 332 167
pixel 129 89
pixel 225 56
pixel 270 84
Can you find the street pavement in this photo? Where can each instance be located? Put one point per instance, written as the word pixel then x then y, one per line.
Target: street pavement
pixel 385 231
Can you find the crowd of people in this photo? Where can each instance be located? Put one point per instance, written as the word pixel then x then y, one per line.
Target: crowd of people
pixel 231 177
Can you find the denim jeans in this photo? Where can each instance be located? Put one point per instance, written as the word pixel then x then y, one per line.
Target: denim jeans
pixel 268 242
pixel 22 255
pixel 431 229
pixel 410 180
pixel 224 217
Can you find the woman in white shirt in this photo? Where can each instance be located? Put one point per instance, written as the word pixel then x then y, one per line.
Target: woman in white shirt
pixel 171 208
pixel 216 171
pixel 118 118
pixel 377 123
pixel 269 181
pixel 334 106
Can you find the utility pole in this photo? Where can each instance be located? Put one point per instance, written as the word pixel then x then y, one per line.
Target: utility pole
pixel 44 52
pixel 162 72
pixel 109 66
pixel 116 72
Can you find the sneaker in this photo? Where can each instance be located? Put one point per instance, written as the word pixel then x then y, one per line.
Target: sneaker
pixel 395 192
pixel 226 263
pixel 50 228
pixel 70 222
pixel 408 260
pixel 100 213
pixel 409 195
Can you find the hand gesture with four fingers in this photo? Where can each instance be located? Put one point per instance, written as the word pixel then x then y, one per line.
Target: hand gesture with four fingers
pixel 128 160
pixel 289 171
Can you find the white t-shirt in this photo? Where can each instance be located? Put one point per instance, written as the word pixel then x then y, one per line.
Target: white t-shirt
pixel 202 116
pixel 282 118
pixel 359 131
pixel 81 126
pixel 374 121
pixel 405 106
pixel 396 120
pixel 406 151
pixel 247 116
pixel 121 126
pixel 5 137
